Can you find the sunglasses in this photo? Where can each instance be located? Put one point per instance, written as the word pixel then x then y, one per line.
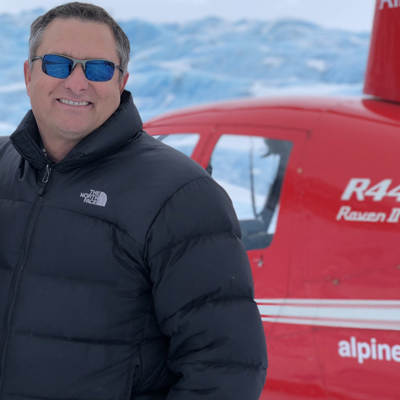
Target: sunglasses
pixel 61 67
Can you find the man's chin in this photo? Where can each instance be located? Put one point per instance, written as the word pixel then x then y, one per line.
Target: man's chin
pixel 74 133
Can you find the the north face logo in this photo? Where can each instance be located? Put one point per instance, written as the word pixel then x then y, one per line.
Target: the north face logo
pixel 95 197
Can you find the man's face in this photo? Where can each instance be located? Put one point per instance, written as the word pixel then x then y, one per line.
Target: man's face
pixel 60 122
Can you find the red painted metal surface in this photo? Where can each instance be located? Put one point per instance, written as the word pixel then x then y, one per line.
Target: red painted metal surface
pixel 382 77
pixel 263 112
pixel 328 286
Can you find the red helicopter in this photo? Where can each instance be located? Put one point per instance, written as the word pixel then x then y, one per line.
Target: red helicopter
pixel 316 186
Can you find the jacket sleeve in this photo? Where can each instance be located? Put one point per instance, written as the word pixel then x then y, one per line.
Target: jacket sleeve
pixel 204 298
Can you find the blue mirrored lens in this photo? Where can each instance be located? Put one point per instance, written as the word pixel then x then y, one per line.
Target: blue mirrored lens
pixel 99 70
pixel 56 66
pixel 61 67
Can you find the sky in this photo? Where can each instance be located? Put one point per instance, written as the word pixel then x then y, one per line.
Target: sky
pixel 354 15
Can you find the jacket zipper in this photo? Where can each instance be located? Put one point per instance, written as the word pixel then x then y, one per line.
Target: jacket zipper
pixel 45 180
pixel 18 271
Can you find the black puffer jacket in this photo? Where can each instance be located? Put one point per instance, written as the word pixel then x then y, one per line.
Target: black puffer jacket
pixel 122 274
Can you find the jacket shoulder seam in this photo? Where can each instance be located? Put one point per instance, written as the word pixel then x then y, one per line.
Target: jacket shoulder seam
pixel 205 301
pixel 190 238
pixel 164 204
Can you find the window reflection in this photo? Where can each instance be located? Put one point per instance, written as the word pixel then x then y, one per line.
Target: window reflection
pixel 184 142
pixel 251 169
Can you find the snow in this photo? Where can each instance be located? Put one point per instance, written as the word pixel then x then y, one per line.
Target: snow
pixel 318 65
pixel 178 67
pixel 273 61
pixel 13 87
pixel 260 89
pixel 6 129
pixel 174 65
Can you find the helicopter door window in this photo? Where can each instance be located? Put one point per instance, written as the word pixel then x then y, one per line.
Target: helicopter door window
pixel 184 142
pixel 251 169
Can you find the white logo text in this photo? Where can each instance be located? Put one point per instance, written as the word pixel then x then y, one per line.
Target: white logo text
pixel 360 188
pixel 347 214
pixel 364 350
pixel 95 197
pixel 389 3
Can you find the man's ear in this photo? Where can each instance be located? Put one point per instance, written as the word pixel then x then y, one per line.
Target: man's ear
pixel 123 82
pixel 27 75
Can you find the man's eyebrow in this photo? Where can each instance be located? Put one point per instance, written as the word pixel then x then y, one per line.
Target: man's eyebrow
pixel 57 53
pixel 70 56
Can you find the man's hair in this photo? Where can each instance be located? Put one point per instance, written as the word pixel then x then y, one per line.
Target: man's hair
pixel 86 13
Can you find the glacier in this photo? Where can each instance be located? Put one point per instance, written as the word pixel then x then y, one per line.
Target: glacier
pixel 174 65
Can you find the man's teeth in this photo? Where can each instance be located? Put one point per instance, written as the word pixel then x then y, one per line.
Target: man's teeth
pixel 74 103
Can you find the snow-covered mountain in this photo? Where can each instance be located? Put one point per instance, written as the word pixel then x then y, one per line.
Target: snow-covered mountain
pixel 176 65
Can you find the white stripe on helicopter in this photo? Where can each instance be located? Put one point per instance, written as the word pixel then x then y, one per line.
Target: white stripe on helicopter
pixel 362 314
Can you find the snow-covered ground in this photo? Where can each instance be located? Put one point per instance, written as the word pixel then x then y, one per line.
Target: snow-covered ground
pixel 182 64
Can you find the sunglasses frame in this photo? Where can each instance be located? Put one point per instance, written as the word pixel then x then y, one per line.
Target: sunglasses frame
pixel 75 61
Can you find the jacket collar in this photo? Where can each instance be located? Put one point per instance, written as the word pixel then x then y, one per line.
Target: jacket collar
pixel 118 130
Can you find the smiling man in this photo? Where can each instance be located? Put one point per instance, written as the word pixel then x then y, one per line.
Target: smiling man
pixel 122 272
pixel 67 110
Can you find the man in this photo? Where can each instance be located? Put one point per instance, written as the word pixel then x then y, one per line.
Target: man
pixel 122 275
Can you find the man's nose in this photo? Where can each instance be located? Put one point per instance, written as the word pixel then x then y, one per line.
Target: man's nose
pixel 77 81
